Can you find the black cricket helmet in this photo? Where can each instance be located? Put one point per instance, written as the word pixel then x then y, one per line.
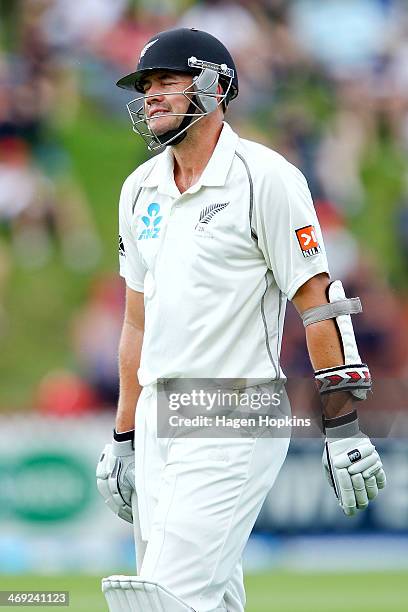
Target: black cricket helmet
pixel 190 51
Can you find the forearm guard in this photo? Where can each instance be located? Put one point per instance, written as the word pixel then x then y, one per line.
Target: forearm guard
pixel 353 376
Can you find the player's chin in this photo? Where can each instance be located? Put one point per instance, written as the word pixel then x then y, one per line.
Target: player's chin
pixel 162 125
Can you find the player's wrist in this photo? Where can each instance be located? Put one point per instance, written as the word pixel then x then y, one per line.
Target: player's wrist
pixel 340 427
pixel 123 436
pixel 123 443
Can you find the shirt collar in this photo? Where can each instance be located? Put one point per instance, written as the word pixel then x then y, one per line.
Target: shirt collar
pixel 216 171
pixel 161 175
pixel 214 175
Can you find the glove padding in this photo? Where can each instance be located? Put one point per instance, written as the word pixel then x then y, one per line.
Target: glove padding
pixel 115 477
pixel 354 470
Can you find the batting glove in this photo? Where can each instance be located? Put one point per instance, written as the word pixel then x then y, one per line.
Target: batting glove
pixel 115 474
pixel 352 464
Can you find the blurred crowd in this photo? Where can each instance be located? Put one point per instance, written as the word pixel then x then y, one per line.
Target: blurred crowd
pixel 323 83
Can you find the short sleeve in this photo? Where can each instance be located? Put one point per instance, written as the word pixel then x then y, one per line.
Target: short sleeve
pixel 131 266
pixel 287 227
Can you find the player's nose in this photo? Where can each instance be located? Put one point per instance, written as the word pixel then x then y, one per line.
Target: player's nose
pixel 154 94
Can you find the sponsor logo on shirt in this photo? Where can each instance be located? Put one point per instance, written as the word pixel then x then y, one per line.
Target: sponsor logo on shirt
pixel 152 222
pixel 308 242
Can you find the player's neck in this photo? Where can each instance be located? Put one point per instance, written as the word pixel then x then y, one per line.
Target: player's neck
pixel 192 155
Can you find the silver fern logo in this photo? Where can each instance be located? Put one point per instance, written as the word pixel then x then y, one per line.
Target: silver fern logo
pixel 209 212
pixel 147 47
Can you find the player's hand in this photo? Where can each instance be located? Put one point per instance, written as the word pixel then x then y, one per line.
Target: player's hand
pixel 354 470
pixel 115 477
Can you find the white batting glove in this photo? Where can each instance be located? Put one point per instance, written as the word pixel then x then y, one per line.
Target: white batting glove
pixel 352 465
pixel 115 475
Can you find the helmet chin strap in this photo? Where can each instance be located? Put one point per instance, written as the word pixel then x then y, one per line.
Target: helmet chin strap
pixel 171 133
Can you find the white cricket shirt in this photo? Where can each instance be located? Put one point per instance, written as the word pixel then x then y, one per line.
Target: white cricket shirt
pixel 218 262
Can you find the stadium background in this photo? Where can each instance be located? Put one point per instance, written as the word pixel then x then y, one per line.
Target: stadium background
pixel 325 84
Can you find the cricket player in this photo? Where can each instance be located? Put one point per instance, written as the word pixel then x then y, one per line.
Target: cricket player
pixel 216 234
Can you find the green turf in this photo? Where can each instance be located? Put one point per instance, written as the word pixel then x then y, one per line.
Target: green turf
pixel 39 304
pixel 280 592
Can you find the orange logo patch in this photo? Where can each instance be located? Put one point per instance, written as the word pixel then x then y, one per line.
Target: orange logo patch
pixel 308 242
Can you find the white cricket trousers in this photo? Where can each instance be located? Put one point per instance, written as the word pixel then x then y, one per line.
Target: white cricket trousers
pixel 198 500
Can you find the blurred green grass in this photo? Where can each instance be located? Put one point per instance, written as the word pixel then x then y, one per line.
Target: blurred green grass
pixel 268 592
pixel 39 304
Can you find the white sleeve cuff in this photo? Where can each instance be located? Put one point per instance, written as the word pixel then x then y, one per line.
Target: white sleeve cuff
pixel 303 278
pixel 133 284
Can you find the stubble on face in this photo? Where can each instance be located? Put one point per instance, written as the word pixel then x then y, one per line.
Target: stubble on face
pixel 162 123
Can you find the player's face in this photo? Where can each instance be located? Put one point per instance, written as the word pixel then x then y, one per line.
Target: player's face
pixel 158 106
